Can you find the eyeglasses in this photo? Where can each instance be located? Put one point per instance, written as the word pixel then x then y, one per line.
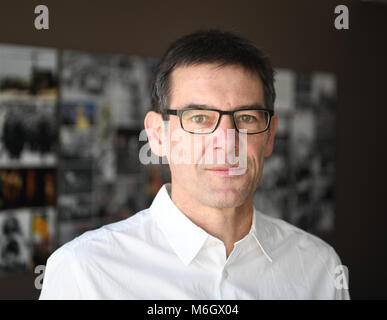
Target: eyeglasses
pixel 205 121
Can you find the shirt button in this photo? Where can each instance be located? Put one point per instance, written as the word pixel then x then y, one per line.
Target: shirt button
pixel 225 274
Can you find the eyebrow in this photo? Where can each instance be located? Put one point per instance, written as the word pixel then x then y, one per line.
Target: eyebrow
pixel 204 106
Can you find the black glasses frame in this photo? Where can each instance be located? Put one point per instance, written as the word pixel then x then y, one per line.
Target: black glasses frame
pixel 180 112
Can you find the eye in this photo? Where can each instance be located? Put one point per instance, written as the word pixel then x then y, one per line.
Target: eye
pixel 246 118
pixel 199 118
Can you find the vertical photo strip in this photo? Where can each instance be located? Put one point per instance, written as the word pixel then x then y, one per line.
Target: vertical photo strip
pixel 29 96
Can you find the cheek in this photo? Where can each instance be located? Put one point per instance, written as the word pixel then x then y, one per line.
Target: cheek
pixel 177 142
pixel 188 149
pixel 180 155
pixel 256 154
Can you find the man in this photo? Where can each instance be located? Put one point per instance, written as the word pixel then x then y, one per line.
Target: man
pixel 202 238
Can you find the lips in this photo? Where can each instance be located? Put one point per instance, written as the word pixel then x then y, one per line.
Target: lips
pixel 226 171
pixel 222 168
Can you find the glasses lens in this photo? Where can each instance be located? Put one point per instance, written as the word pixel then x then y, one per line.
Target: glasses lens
pixel 253 121
pixel 199 121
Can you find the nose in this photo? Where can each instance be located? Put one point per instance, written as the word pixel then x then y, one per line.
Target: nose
pixel 225 134
pixel 225 123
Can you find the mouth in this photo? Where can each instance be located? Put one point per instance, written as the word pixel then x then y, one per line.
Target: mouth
pixel 228 171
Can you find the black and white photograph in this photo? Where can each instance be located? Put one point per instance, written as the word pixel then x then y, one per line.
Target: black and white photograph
pixel 76 177
pixel 28 104
pixel 75 206
pixel 128 90
pixel 84 75
pixel 76 143
pixel 28 71
pixel 28 133
pixel 15 241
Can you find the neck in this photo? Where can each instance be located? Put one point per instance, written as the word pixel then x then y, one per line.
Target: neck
pixel 227 224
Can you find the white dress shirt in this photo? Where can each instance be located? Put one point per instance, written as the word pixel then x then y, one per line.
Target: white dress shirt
pixel 160 254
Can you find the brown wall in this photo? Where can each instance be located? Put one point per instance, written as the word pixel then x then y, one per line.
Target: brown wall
pixel 296 34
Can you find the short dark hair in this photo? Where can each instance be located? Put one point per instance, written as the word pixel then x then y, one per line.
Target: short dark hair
pixel 211 46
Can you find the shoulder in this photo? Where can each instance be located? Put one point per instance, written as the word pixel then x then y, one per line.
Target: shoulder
pixel 103 242
pixel 72 266
pixel 106 236
pixel 285 237
pixel 310 262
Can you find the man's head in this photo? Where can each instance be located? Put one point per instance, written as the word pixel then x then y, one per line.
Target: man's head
pixel 217 70
pixel 212 46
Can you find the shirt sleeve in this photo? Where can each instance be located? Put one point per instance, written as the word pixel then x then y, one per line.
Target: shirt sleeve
pixel 340 278
pixel 60 278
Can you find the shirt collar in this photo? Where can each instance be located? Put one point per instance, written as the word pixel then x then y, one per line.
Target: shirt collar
pixel 185 237
pixel 262 233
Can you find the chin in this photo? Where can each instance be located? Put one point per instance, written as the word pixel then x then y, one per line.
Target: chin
pixel 225 198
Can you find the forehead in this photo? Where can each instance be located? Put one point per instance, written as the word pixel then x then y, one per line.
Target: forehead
pixel 214 85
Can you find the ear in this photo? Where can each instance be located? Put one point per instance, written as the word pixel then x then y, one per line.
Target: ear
pixel 271 134
pixel 154 127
